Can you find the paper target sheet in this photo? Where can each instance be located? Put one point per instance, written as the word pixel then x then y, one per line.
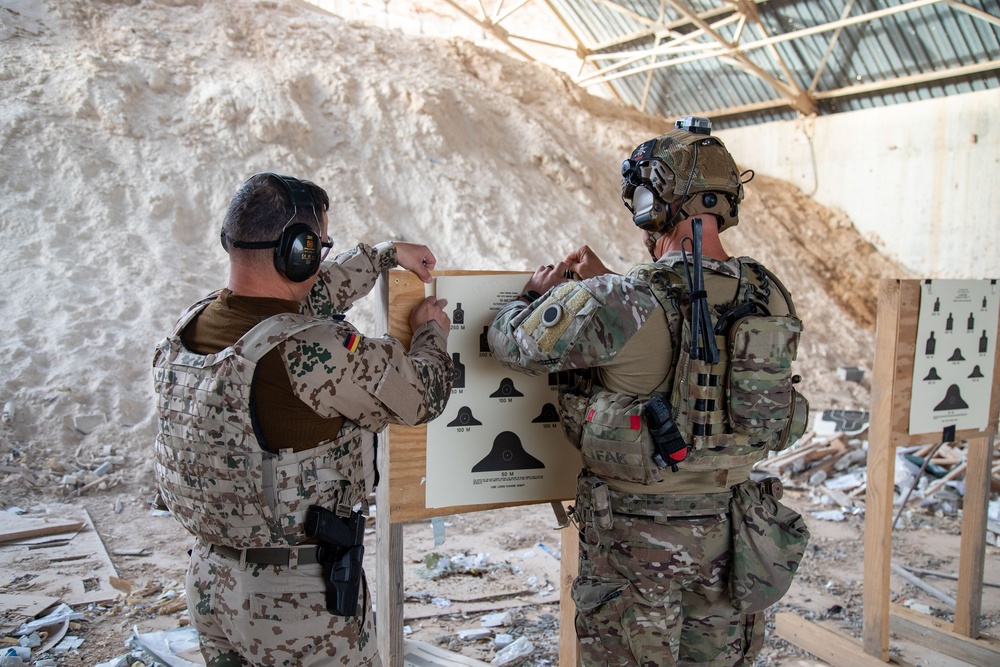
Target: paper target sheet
pixel 953 364
pixel 500 438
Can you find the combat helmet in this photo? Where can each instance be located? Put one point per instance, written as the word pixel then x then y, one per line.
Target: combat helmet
pixel 682 173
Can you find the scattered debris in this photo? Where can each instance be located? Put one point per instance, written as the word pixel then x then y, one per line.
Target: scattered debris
pixel 514 652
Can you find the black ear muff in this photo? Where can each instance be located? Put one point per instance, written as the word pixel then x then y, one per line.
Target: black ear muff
pixel 297 255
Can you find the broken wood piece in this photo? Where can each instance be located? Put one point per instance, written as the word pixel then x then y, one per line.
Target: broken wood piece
pixel 87 487
pixel 14 528
pixel 937 485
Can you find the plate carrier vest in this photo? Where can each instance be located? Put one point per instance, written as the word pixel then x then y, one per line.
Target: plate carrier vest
pixel 729 414
pixel 211 470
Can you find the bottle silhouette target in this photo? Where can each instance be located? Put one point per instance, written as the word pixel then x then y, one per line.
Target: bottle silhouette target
pixel 929 348
pixel 949 323
pixel 458 372
pixel 972 322
pixel 983 342
pixel 937 305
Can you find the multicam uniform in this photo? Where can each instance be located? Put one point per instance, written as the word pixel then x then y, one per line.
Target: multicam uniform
pixel 656 545
pixel 267 407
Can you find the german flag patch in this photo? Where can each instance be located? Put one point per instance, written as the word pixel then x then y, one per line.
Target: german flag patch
pixel 352 342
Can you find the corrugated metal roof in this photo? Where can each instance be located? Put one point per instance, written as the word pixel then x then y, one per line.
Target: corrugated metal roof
pixel 754 61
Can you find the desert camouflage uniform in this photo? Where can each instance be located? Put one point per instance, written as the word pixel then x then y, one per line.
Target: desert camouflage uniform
pixel 242 501
pixel 655 556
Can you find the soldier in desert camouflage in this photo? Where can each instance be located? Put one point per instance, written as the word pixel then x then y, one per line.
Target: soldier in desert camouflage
pixel 269 402
pixel 673 381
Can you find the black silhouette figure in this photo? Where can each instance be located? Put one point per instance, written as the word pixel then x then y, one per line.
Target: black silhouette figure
pixel 983 342
pixel 457 373
pixel 984 302
pixel 971 322
pixel 952 400
pixel 976 373
pixel 937 305
pixel 484 341
pixel 465 418
pixel 949 323
pixel 458 317
pixel 507 454
pixel 506 389
pixel 956 355
pixel 549 414
pixel 932 375
pixel 929 348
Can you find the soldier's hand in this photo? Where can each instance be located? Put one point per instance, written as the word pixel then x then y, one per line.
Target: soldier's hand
pixel 430 309
pixel 546 277
pixel 417 258
pixel 585 263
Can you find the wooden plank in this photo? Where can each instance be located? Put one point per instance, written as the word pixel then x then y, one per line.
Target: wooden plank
pixel 569 560
pixel 25 607
pixel 825 643
pixel 408 452
pixel 419 654
pixel 940 635
pixel 388 536
pixel 14 528
pixel 881 471
pixel 905 347
pixel 969 598
pixel 462 608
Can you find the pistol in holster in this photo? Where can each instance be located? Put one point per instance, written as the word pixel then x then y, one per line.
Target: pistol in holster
pixel 340 552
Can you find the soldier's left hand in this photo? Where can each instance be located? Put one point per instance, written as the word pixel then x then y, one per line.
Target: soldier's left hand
pixel 417 258
pixel 547 277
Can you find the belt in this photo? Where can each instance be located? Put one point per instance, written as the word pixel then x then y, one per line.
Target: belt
pixel 269 556
pixel 669 505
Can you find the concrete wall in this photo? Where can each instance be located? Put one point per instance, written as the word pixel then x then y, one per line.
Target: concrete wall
pixel 921 180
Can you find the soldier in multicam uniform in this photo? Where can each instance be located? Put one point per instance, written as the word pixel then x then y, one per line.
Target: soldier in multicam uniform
pixel 269 402
pixel 670 573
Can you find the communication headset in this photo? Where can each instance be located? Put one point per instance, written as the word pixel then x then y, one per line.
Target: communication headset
pixel 298 251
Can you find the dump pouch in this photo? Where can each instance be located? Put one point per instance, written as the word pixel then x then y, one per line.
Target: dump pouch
pixel 769 540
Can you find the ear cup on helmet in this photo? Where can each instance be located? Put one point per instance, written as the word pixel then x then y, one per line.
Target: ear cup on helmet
pixel 649 212
pixel 297 255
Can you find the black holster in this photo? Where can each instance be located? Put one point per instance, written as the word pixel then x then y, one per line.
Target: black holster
pixel 340 552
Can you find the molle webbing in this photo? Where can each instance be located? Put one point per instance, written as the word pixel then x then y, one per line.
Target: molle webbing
pixel 213 474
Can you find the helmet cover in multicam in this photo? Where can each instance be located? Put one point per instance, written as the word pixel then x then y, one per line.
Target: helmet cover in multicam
pixel 678 175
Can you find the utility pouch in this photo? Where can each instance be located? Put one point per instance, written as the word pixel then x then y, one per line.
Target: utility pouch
pixel 760 374
pixel 615 441
pixel 796 426
pixel 769 540
pixel 341 551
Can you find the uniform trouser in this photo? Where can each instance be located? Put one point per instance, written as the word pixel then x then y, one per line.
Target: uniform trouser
pixel 656 593
pixel 273 615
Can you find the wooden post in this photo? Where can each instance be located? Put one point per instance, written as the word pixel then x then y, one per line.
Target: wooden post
pixel 569 564
pixel 388 536
pixel 881 471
